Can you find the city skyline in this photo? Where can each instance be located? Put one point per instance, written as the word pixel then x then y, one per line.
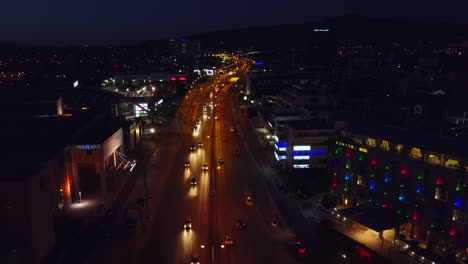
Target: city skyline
pixel 119 23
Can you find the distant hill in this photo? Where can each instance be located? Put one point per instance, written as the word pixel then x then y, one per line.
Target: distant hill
pixel 344 27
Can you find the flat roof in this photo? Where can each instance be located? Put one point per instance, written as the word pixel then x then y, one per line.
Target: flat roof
pixel 412 137
pixel 312 124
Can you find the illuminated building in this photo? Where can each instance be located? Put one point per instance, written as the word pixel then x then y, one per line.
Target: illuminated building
pixel 303 144
pixel 419 182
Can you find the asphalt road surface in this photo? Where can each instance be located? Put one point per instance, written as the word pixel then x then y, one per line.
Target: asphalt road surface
pixel 218 199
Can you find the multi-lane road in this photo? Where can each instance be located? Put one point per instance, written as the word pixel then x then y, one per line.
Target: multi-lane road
pixel 218 199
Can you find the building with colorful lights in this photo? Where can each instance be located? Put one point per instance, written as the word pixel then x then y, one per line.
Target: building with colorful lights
pixel 404 184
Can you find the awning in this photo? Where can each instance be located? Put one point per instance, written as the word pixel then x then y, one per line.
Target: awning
pixel 373 217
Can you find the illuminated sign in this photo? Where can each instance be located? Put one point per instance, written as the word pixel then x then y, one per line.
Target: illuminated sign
pixel 301 148
pixel 233 79
pixel 321 30
pixel 75 84
pixel 279 157
pixel 159 102
pixel 281 146
pixel 301 157
pixel 208 71
pixel 301 166
pixel 363 150
pixel 259 63
pixel 140 109
pixel 173 79
pixel 88 147
pixel 182 78
pixel 197 71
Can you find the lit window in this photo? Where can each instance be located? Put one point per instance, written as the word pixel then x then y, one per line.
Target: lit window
pixel 348 164
pixel 385 145
pixel 459 216
pixel 441 194
pixel 399 147
pixel 360 180
pixel 370 142
pixel 415 153
pixel 433 159
pixel 452 163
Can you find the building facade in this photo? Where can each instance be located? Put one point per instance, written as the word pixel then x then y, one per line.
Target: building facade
pixel 421 179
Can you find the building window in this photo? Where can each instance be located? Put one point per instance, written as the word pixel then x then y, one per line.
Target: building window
pixel 433 159
pixel 385 145
pixel 441 194
pixel 459 216
pixel 360 180
pixel 399 147
pixel 452 163
pixel 348 164
pixel 371 142
pixel 415 153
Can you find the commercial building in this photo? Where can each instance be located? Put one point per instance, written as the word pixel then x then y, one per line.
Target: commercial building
pixel 61 160
pixel 406 185
pixel 303 144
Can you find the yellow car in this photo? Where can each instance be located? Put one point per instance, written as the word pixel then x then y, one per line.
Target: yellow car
pixel 248 201
pixel 205 167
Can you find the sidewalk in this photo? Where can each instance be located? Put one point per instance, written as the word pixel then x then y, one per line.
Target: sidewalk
pixel 385 247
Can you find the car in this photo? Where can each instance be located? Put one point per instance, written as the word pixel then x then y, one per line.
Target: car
pixel 195 261
pixel 236 153
pixel 193 148
pixel 241 224
pixel 187 164
pixel 193 181
pixel 200 144
pixel 224 125
pixel 220 160
pixel 248 201
pixel 217 118
pixel 187 224
pixel 232 129
pixel 195 128
pixel 299 248
pixel 228 241
pixel 205 167
pixel 273 222
pixel 225 139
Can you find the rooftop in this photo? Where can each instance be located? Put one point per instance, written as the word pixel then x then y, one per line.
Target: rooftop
pixel 313 124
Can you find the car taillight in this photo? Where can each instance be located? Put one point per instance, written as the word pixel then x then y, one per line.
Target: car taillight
pixel 301 250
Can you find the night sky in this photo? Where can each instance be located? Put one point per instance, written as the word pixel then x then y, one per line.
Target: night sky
pixel 118 21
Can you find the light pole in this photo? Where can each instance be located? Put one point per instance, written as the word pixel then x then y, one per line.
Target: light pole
pixel 146 194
